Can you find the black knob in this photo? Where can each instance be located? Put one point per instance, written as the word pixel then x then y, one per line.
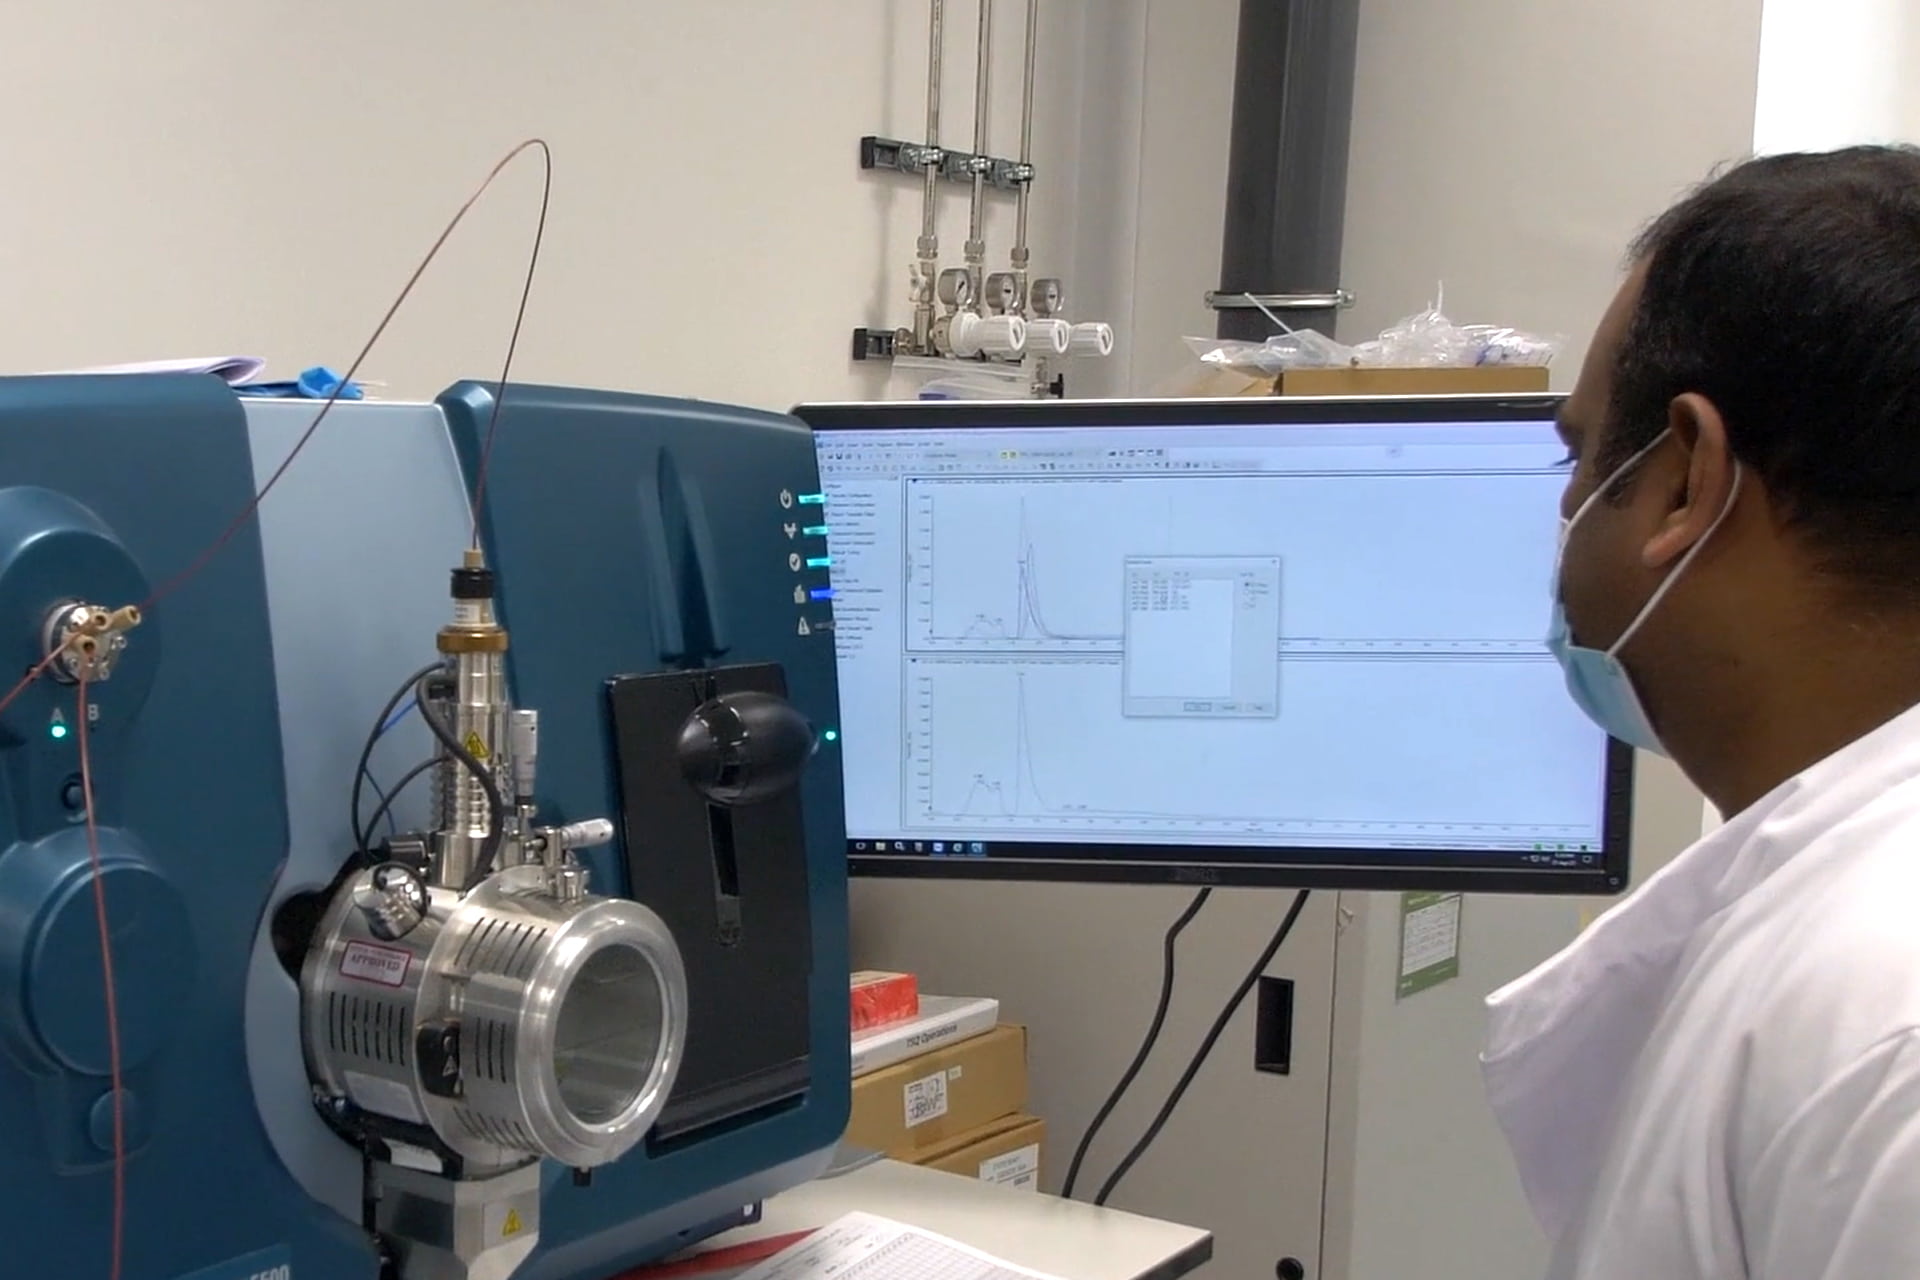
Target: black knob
pixel 436 1048
pixel 1290 1269
pixel 742 748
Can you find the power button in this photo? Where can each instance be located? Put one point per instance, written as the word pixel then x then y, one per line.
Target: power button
pixel 73 795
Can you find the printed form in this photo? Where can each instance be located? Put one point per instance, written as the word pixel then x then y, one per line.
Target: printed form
pixel 861 1246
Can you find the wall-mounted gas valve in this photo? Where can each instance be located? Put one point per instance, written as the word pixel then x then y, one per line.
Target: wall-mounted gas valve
pixel 966 313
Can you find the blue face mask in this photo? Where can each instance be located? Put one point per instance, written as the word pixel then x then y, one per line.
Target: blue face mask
pixel 1596 678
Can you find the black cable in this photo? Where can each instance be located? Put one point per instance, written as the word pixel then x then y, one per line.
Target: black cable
pixel 364 773
pixel 385 808
pixel 1206 1047
pixel 496 803
pixel 1132 1072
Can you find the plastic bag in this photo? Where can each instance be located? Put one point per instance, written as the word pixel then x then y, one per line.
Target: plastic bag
pixel 1424 340
pixel 1429 340
pixel 1295 349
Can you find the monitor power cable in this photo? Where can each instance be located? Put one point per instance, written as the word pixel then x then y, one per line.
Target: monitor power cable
pixel 1206 1047
pixel 1152 1037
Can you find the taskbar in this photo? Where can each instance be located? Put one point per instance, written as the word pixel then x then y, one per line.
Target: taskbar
pixel 1559 855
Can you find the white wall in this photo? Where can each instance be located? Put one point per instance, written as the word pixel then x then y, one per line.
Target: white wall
pixel 1509 148
pixel 260 176
pixel 1834 72
pixel 1154 137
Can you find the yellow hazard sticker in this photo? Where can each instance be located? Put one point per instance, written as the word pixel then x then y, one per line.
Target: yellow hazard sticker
pixel 475 747
pixel 503 1222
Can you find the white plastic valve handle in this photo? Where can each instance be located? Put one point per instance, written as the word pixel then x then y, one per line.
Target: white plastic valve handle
pixel 1049 336
pixel 988 335
pixel 1091 338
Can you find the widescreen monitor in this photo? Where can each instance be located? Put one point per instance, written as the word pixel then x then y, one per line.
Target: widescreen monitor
pixel 1277 641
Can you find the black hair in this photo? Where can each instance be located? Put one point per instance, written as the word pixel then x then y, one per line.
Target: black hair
pixel 1787 292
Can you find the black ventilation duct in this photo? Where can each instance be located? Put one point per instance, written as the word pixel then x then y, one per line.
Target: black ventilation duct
pixel 1287 167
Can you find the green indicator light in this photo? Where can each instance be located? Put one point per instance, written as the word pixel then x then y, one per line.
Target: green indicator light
pixel 815 531
pixel 831 735
pixel 813 499
pixel 819 562
pixel 57 731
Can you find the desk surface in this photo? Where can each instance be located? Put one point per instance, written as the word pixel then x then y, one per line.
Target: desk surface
pixel 1060 1237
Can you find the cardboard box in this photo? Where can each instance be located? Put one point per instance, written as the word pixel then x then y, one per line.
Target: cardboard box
pixel 882 998
pixel 913 1106
pixel 1499 379
pixel 1214 382
pixel 1007 1152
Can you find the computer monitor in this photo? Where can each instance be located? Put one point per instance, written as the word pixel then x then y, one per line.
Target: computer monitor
pixel 1278 641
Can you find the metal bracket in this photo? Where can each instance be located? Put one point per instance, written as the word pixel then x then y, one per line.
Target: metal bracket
pixel 1337 300
pixel 955 166
pixel 875 344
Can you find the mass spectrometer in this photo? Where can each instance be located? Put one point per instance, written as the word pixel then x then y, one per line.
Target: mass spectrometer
pixel 575 1000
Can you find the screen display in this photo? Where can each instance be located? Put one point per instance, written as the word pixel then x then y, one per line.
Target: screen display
pixel 1247 642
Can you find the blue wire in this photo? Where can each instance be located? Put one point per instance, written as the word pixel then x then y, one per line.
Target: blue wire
pixel 406 709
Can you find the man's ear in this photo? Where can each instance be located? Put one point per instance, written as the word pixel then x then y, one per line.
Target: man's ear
pixel 1695 488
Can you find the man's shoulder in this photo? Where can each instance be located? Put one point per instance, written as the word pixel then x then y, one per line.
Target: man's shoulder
pixel 1821 968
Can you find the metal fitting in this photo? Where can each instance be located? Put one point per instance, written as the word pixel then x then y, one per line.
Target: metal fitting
pixel 88 639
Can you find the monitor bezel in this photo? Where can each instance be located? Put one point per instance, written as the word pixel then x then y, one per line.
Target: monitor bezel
pixel 1314 868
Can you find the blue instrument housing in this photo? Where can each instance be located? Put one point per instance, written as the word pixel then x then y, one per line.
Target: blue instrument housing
pixel 630 535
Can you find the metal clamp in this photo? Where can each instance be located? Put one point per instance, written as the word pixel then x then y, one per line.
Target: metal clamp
pixel 1337 300
pixel 954 166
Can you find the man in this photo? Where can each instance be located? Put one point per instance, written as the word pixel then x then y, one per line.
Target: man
pixel 1721 1078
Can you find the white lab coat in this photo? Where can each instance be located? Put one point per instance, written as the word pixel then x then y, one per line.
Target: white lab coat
pixel 1721 1078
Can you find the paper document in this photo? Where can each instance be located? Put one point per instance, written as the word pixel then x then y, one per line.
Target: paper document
pixel 1429 941
pixel 863 1247
pixel 229 369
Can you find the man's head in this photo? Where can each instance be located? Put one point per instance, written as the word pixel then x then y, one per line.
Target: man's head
pixel 1768 337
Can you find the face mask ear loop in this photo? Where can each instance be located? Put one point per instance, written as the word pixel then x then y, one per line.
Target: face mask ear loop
pixel 1614 479
pixel 1567 524
pixel 1733 496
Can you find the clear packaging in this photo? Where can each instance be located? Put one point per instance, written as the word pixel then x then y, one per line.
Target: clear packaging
pixel 1427 339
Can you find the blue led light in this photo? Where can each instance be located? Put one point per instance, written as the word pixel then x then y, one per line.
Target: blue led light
pixel 820 593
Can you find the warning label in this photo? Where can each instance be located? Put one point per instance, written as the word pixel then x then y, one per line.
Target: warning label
pixel 508 1222
pixel 368 963
pixel 475 747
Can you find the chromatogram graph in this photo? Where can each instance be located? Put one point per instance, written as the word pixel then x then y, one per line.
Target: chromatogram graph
pixel 1041 745
pixel 1037 748
pixel 1021 568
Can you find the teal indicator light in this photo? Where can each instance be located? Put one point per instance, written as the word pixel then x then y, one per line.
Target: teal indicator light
pixel 56 731
pixel 813 499
pixel 831 735
pixel 819 562
pixel 815 531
